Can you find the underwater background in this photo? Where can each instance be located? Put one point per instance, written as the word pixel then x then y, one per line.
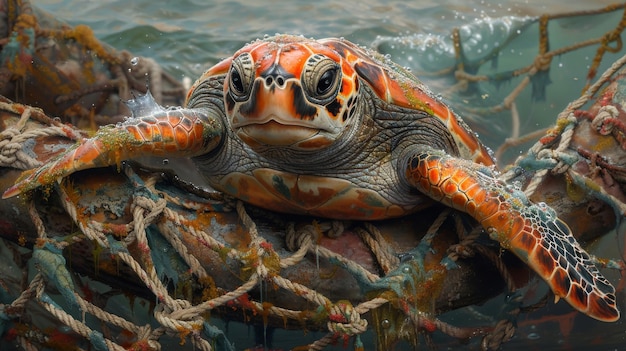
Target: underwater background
pixel 187 37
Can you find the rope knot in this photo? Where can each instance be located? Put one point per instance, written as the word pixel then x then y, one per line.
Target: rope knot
pixel 602 121
pixel 344 319
pixel 11 144
pixel 296 237
pixel 542 62
pixel 153 208
pixel 181 320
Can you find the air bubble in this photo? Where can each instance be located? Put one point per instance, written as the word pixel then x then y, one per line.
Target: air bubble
pixel 134 61
pixel 166 161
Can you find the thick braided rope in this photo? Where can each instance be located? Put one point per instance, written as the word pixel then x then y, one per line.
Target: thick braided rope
pixel 382 251
pixel 11 143
pixel 566 122
pixel 13 137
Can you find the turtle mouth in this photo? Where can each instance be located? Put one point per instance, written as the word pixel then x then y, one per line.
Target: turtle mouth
pixel 272 132
pixel 275 133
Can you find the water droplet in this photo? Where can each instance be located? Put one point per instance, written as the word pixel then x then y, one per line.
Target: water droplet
pixel 134 61
pixel 533 336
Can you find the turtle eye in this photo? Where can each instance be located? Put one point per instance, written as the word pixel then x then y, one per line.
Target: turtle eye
pixel 326 82
pixel 240 77
pixel 320 79
pixel 235 80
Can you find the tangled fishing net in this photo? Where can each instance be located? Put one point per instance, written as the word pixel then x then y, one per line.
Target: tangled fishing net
pixel 142 260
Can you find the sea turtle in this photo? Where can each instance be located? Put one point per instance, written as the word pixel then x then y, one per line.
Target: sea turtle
pixel 327 128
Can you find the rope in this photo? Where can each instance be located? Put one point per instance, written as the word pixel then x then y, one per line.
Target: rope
pixel 13 138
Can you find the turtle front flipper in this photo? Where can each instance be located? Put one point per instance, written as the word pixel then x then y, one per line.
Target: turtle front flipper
pixel 173 132
pixel 531 231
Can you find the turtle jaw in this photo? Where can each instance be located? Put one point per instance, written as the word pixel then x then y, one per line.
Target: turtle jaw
pixel 275 133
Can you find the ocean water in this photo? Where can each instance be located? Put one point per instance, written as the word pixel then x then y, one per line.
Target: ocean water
pixel 189 36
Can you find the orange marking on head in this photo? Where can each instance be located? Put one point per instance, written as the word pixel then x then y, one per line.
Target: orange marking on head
pixel 347 85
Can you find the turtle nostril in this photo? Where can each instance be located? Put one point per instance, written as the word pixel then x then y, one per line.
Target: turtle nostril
pixel 275 79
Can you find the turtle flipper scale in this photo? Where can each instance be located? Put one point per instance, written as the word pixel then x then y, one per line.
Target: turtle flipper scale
pixel 176 132
pixel 531 231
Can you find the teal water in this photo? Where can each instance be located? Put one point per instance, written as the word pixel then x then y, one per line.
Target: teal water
pixel 189 36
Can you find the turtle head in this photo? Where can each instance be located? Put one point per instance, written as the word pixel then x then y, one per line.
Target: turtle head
pixel 289 92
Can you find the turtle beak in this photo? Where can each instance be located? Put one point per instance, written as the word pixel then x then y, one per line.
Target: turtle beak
pixel 283 103
pixel 278 114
